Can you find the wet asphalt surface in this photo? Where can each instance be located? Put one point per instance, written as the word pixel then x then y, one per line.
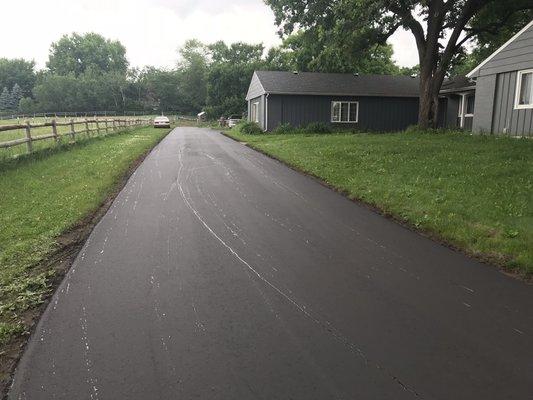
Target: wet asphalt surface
pixel 219 273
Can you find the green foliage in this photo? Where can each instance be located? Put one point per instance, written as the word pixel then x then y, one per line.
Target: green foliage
pixel 15 97
pixel 193 69
pixel 487 42
pixel 229 76
pixel 17 71
pixel 318 127
pixel 76 54
pixel 59 189
pixel 27 105
pixel 473 191
pixel 249 128
pixel 5 99
pixel 316 51
pixel 284 129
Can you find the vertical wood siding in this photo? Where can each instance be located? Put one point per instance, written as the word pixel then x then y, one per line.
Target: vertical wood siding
pixel 506 120
pixel 375 113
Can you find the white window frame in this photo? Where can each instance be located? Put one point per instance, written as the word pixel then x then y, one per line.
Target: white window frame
pixel 255 111
pixel 518 106
pixel 462 109
pixel 333 103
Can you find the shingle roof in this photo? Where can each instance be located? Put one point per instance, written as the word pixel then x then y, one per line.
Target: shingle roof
pixel 457 83
pixel 317 83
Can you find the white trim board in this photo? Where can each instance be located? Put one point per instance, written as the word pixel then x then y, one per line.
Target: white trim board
pixel 525 28
pixel 517 105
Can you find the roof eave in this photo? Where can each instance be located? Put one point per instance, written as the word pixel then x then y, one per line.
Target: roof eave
pixel 459 89
pixel 340 94
pixel 474 72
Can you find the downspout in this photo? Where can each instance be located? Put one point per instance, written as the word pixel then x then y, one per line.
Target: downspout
pixel 266 112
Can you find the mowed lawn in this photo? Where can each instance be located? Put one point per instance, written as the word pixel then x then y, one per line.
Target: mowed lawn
pixel 43 196
pixel 475 192
pixel 63 132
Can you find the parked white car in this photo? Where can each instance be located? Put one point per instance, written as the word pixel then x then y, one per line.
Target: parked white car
pixel 161 122
pixel 233 120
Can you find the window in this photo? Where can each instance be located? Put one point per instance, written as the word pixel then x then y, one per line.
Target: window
pixel 255 112
pixel 470 99
pixel 466 108
pixel 524 89
pixel 344 111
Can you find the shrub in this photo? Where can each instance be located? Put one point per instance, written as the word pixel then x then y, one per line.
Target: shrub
pixel 318 127
pixel 284 129
pixel 250 128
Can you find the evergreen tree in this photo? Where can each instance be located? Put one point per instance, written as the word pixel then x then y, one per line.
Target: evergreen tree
pixel 5 98
pixel 16 95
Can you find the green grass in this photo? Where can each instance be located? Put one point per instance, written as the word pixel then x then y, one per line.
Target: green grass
pixel 475 192
pixel 43 196
pixel 21 149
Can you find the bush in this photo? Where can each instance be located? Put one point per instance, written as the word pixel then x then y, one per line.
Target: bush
pixel 318 127
pixel 250 128
pixel 284 129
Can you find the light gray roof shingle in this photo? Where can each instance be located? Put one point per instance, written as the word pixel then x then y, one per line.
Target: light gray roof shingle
pixel 317 83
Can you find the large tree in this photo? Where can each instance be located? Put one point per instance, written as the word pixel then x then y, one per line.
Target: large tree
pixel 193 69
pixel 318 51
pixel 76 54
pixel 17 71
pixel 440 29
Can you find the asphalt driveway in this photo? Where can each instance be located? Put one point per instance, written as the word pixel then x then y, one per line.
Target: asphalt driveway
pixel 219 273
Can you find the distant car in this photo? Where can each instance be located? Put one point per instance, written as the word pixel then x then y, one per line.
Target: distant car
pixel 233 120
pixel 161 122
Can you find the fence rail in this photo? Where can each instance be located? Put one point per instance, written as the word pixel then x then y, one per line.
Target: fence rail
pixel 98 126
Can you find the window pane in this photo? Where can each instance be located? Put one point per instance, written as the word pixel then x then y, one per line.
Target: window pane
pixel 525 89
pixel 336 112
pixel 353 112
pixel 470 104
pixel 344 112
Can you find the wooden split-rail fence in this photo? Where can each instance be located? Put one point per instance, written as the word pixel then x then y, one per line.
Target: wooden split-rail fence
pixel 89 126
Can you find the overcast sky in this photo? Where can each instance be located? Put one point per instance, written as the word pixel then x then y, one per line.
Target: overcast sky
pixel 151 30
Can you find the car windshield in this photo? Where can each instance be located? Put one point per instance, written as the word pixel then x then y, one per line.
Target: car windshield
pixel 161 119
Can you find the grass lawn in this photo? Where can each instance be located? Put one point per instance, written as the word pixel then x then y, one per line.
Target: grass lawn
pixel 43 196
pixel 475 192
pixel 21 149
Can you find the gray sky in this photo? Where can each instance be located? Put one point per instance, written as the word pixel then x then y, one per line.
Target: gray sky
pixel 151 30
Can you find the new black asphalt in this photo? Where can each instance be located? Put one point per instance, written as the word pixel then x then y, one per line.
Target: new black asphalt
pixel 219 273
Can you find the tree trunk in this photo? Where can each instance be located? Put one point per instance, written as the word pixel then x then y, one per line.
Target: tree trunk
pixel 429 101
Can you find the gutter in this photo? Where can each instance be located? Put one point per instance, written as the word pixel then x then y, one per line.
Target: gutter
pixel 266 112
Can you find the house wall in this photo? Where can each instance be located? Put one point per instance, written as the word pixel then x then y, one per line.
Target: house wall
pixel 496 90
pixel 375 113
pixel 515 56
pixel 506 119
pixel 261 100
pixel 449 111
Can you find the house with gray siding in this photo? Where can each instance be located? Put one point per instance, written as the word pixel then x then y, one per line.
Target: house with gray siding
pixel 457 103
pixel 504 89
pixel 367 102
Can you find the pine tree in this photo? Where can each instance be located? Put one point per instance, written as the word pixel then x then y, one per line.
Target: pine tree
pixel 5 98
pixel 16 95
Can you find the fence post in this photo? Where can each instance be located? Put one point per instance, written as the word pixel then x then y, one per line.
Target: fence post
pixel 106 127
pixel 28 136
pixel 72 131
pixel 54 130
pixel 97 126
pixel 114 125
pixel 87 127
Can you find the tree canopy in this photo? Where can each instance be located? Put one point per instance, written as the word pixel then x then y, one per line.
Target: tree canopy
pixel 76 54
